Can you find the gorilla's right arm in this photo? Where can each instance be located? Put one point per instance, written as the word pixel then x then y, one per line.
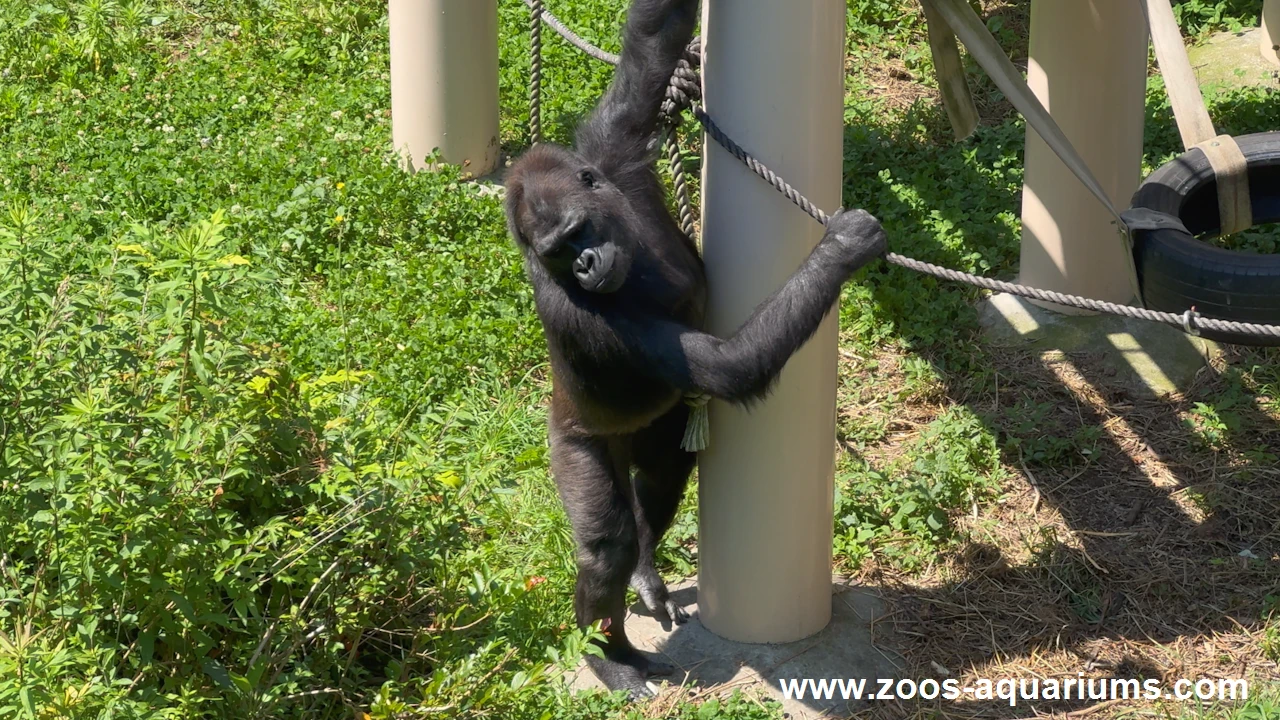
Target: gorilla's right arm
pixel 743 367
pixel 617 133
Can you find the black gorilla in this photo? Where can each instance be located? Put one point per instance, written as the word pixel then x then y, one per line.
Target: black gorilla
pixel 621 292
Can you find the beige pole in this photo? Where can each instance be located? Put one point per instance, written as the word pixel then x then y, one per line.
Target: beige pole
pixel 444 82
pixel 1088 66
pixel 774 79
pixel 1271 31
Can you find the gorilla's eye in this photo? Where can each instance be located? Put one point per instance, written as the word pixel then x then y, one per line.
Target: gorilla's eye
pixel 588 178
pixel 562 253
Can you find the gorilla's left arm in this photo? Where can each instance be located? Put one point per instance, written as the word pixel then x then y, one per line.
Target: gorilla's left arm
pixel 617 133
pixel 742 368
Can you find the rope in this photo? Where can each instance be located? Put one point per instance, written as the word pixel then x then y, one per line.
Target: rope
pixel 563 31
pixel 685 92
pixel 684 89
pixel 535 71
pixel 678 179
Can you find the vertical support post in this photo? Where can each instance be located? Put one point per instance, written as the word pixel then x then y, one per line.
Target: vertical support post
pixel 774 79
pixel 444 82
pixel 1088 66
pixel 1270 43
pixel 952 85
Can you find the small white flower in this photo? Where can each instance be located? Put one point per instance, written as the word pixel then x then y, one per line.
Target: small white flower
pixel 242 100
pixel 204 142
pixel 335 114
pixel 167 128
pixel 177 181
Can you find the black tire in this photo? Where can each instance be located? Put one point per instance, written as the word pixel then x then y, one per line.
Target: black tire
pixel 1177 272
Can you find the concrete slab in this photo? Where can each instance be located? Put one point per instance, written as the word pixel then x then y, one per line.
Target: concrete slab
pixel 846 649
pixel 1150 358
pixel 1231 60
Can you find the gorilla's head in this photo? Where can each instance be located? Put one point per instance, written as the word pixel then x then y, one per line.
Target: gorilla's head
pixel 568 218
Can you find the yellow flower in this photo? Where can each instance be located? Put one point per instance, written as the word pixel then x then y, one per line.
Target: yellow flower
pixel 338 220
pixel 341 185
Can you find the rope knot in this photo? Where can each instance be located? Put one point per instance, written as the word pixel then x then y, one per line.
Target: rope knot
pixel 1191 322
pixel 697 400
pixel 685 87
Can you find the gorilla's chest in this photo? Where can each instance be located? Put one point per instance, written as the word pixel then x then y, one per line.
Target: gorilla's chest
pixel 610 393
pixel 677 289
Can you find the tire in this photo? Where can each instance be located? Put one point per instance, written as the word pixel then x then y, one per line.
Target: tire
pixel 1177 272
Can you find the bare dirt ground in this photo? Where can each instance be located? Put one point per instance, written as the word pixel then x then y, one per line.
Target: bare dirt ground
pixel 1153 557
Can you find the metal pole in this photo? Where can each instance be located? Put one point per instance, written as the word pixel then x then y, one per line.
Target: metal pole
pixel 774 77
pixel 444 82
pixel 1270 43
pixel 1088 66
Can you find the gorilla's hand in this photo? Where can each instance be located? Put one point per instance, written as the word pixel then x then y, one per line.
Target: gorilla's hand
pixel 858 237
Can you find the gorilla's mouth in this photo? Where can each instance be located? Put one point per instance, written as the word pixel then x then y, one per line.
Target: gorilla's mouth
pixel 594 269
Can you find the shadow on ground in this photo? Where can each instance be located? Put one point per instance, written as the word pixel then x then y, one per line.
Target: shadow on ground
pixel 1154 555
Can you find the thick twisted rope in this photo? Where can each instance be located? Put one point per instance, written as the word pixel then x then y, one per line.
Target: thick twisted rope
pixel 684 89
pixel 679 180
pixel 563 31
pixel 685 92
pixel 535 71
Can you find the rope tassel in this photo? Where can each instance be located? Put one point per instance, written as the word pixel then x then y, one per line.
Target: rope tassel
pixel 697 431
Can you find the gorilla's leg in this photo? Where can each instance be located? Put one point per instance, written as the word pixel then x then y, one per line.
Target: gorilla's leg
pixel 597 499
pixel 662 471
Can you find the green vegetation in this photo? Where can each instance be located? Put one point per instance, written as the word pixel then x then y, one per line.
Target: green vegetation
pixel 271 410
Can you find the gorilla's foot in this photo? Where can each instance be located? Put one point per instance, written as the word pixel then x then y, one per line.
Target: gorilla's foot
pixel 628 671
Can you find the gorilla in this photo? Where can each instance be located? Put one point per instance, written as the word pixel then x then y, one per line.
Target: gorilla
pixel 621 294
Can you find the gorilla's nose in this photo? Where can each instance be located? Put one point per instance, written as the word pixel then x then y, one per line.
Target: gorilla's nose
pixel 592 268
pixel 585 265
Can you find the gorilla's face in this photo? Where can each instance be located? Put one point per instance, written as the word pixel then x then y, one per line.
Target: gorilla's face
pixel 569 219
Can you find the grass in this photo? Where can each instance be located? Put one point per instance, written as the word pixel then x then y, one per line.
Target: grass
pixel 272 435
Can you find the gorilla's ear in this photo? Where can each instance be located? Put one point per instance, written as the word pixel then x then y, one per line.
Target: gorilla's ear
pixel 515 196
